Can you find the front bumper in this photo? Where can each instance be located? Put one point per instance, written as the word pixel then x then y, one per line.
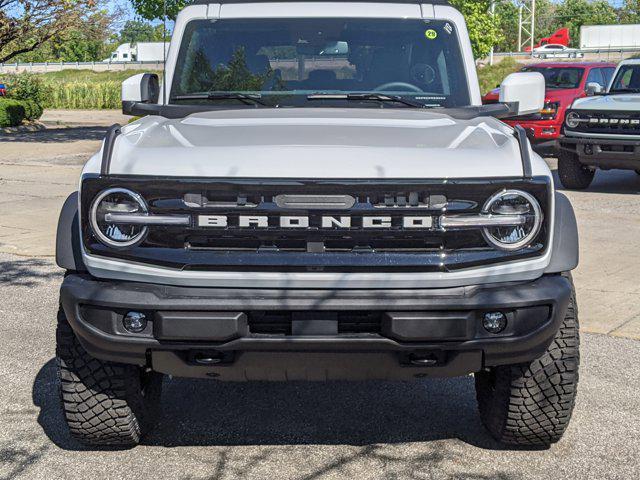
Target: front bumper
pixel 541 133
pixel 222 333
pixel 604 153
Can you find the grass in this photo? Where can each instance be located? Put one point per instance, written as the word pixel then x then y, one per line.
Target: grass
pixel 88 76
pixel 84 89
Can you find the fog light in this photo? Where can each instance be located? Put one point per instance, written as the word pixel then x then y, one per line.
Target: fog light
pixel 135 322
pixel 494 322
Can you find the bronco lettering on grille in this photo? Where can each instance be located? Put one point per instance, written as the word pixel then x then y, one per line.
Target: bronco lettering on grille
pixel 263 221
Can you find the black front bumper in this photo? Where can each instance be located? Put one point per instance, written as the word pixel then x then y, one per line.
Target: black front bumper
pixel 603 153
pixel 233 334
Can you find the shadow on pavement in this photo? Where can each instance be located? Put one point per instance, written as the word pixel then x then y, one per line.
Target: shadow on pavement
pixel 57 135
pixel 209 413
pixel 26 272
pixel 608 181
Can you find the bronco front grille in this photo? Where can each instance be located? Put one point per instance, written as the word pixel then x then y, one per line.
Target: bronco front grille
pixel 607 122
pixel 253 237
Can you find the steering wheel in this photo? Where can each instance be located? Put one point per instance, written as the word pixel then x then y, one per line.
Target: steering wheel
pixel 397 85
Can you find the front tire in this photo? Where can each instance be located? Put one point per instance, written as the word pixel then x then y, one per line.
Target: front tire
pixel 572 173
pixel 531 404
pixel 104 403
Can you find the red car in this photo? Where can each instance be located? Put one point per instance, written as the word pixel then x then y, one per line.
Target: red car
pixel 565 82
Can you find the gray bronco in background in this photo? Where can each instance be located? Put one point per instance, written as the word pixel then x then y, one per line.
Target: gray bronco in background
pixel 602 131
pixel 314 193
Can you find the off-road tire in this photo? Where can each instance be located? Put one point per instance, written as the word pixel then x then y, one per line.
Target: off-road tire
pixel 531 404
pixel 573 175
pixel 104 403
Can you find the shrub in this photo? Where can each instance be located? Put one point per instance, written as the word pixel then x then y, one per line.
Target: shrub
pixel 12 112
pixel 27 86
pixel 33 111
pixel 491 76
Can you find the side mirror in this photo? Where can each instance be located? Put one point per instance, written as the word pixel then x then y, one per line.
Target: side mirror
pixel 141 88
pixel 593 88
pixel 525 90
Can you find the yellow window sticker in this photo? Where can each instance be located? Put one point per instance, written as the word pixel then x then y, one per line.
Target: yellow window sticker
pixel 431 34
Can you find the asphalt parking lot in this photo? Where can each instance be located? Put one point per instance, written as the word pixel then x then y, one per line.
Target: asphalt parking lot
pixel 421 430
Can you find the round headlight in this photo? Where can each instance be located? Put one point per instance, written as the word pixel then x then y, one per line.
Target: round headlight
pixel 572 120
pixel 115 233
pixel 513 202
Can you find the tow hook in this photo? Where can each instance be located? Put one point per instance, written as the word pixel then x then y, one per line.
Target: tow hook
pixel 422 361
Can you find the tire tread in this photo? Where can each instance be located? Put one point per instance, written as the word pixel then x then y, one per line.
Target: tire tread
pixel 531 404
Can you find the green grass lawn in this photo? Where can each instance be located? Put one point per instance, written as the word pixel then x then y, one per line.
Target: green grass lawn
pixel 89 76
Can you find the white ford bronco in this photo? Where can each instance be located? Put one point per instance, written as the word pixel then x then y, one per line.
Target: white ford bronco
pixel 602 131
pixel 315 192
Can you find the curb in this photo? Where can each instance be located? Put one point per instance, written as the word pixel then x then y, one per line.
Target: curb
pixel 29 127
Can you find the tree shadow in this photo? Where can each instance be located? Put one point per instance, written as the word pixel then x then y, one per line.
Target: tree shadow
pixel 210 413
pixel 27 272
pixel 57 135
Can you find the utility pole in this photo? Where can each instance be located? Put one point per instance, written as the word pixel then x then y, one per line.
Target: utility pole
pixel 526 24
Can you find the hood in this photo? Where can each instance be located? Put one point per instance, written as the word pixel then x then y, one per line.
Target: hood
pixel 317 143
pixel 620 102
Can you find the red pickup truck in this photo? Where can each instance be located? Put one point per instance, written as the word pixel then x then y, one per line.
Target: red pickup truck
pixel 565 82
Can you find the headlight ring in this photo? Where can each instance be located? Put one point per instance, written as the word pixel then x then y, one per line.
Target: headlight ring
pixel 513 202
pixel 117 200
pixel 572 120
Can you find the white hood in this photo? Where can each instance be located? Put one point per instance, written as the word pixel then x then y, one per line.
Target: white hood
pixel 319 143
pixel 621 102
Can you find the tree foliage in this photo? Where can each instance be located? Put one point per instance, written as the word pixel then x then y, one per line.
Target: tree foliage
pixel 135 31
pixel 154 9
pixel 71 30
pixel 484 29
pixel 575 13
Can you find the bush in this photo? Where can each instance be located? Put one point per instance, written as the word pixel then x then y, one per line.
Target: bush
pixel 12 112
pixel 33 111
pixel 27 86
pixel 491 76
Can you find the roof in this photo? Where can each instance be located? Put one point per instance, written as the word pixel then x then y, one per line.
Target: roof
pixel 419 2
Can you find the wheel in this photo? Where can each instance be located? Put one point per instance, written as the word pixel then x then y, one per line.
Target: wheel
pixel 572 173
pixel 104 403
pixel 531 404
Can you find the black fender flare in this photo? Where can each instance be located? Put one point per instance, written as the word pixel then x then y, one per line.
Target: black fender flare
pixel 564 246
pixel 68 247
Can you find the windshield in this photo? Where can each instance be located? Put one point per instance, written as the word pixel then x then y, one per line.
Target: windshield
pixel 559 77
pixel 627 79
pixel 285 61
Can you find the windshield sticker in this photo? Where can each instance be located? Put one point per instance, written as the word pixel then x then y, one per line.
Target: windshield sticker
pixel 448 28
pixel 431 34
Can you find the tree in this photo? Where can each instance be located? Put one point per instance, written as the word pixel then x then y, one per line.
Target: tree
pixel 630 11
pixel 154 9
pixel 135 31
pixel 575 13
pixel 52 26
pixel 484 29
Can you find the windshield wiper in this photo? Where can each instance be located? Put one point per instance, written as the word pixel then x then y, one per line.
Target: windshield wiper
pixel 377 97
pixel 246 98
